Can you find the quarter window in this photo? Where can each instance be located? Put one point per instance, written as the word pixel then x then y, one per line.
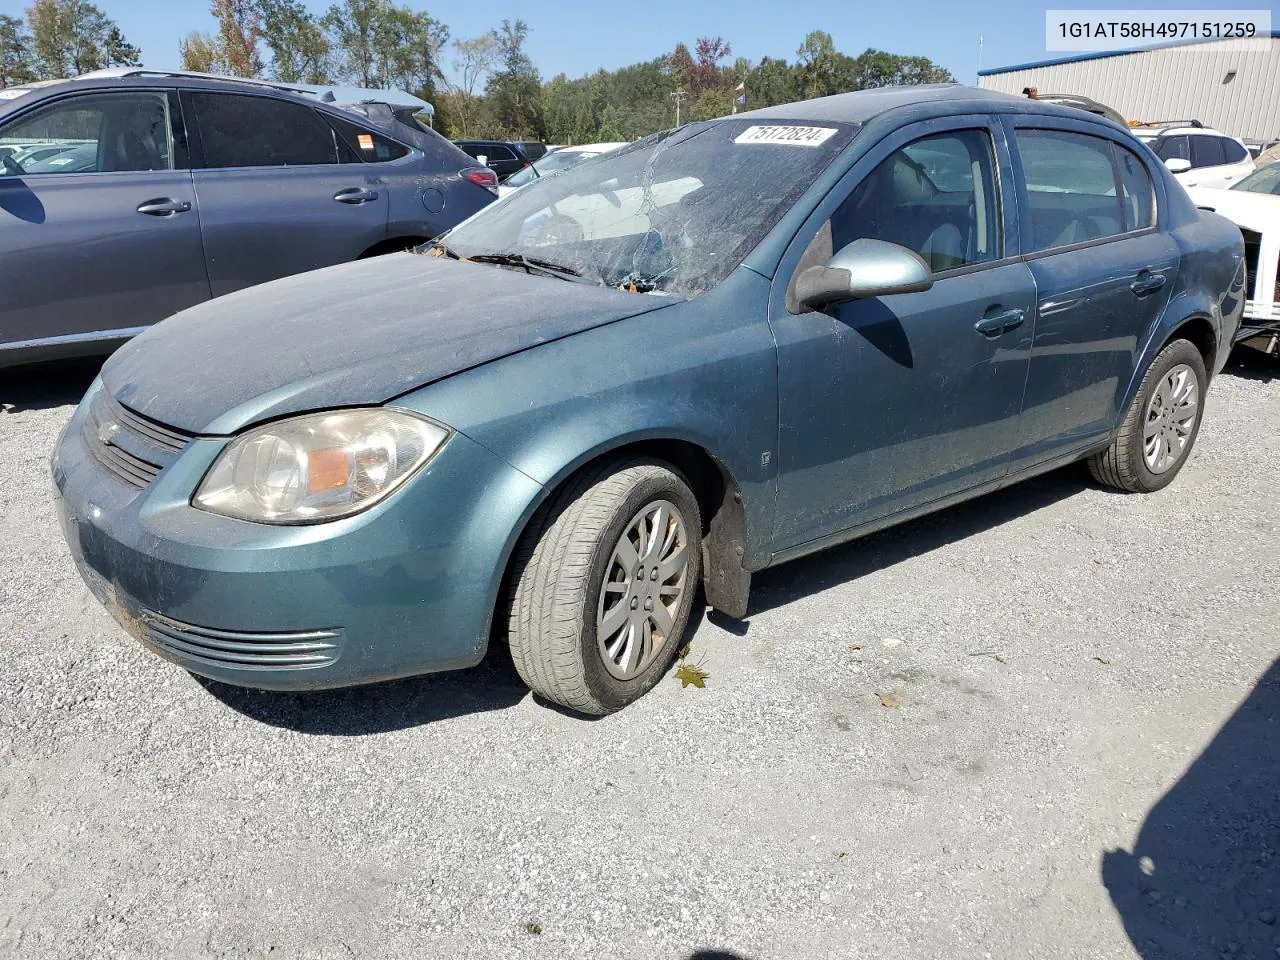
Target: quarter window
pixel 98 133
pixel 1081 188
pixel 1232 152
pixel 247 131
pixel 364 145
pixel 936 196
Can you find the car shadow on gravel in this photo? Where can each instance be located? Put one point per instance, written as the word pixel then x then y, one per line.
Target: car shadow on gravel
pixel 1203 879
pixel 46 385
pixel 813 574
pixel 1249 364
pixel 383 707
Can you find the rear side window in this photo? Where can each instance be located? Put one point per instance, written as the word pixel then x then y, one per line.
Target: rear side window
pixel 1232 152
pixel 1081 188
pixel 365 145
pixel 247 131
pixel 1173 148
pixel 936 196
pixel 1206 151
pixel 95 133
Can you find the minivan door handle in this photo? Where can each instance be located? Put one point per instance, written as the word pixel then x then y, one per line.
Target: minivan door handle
pixel 997 324
pixel 1147 283
pixel 355 195
pixel 164 207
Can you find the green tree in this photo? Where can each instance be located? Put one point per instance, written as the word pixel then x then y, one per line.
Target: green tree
pixel 515 90
pixel 353 25
pixel 772 82
pixel 712 104
pixel 199 52
pixel 380 44
pixel 610 131
pixel 474 59
pixel 17 60
pixel 816 66
pixel 300 51
pixel 71 37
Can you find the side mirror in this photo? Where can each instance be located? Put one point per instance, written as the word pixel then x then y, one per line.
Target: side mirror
pixel 865 268
pixel 1178 165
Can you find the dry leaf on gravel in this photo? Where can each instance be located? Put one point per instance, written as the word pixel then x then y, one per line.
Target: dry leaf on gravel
pixel 691 676
pixel 889 700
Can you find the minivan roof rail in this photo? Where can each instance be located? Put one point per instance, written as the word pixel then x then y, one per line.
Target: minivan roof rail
pixel 113 72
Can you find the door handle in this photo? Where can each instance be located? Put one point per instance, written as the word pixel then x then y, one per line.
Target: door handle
pixel 998 323
pixel 164 207
pixel 1147 283
pixel 356 195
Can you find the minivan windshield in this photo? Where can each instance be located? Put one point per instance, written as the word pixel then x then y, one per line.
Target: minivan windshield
pixel 672 214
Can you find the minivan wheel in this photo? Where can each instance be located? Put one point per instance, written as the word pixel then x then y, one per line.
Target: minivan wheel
pixel 603 585
pixel 1160 426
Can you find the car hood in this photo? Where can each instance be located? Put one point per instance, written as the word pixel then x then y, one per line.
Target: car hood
pixel 1244 208
pixel 361 333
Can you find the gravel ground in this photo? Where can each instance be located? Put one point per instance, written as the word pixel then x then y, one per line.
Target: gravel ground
pixel 1062 658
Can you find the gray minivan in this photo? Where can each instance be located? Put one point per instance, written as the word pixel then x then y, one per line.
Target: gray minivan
pixel 176 188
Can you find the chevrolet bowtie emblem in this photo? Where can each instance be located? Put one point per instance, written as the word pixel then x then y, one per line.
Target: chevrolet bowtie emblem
pixel 107 432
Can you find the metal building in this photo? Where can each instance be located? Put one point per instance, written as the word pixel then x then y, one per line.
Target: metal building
pixel 1221 83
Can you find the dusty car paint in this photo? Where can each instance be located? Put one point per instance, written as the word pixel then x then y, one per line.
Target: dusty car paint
pixel 732 381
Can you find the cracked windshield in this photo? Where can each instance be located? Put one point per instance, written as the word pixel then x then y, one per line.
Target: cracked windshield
pixel 671 214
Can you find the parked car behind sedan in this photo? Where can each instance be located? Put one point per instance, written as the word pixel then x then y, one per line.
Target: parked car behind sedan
pixel 1253 205
pixel 560 159
pixel 555 432
pixel 187 187
pixel 503 157
pixel 1197 155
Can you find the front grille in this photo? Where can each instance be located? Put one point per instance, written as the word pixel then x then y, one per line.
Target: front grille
pixel 130 446
pixel 230 648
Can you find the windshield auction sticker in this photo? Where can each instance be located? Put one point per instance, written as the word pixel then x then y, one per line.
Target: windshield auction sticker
pixel 789 135
pixel 1113 30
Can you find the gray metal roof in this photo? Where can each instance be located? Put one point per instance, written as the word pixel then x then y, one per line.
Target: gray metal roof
pixel 864 104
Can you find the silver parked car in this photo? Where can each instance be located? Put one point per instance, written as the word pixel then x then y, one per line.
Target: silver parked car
pixel 137 194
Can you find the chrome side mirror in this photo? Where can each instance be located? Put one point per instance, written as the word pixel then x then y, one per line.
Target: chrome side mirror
pixel 865 268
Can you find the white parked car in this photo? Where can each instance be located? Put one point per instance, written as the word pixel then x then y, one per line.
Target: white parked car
pixel 1253 205
pixel 561 158
pixel 1197 155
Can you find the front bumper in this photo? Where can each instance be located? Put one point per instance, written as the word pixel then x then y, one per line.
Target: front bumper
pixel 407 587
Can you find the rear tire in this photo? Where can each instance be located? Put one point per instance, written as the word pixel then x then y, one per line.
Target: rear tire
pixel 603 585
pixel 1161 425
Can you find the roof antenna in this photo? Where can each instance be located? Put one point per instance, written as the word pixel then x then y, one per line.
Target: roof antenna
pixel 328 97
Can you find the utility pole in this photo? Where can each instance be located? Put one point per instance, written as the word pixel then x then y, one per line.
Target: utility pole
pixel 679 97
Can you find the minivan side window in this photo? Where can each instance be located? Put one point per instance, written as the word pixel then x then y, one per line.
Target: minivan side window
pixel 93 133
pixel 1206 151
pixel 239 130
pixel 936 196
pixel 1081 188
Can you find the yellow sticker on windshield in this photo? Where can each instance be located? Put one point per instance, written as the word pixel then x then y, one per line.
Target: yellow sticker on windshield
pixel 789 135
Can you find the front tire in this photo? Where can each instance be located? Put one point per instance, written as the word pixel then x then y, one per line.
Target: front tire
pixel 1161 425
pixel 603 585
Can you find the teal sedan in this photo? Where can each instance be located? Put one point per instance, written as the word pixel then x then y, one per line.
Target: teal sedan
pixel 625 389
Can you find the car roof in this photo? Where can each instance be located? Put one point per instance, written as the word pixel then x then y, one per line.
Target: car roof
pixel 864 105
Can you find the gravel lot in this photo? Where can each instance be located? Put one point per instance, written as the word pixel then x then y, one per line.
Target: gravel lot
pixel 1060 656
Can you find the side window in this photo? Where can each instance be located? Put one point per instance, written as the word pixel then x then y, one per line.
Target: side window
pixel 1232 152
pixel 1138 191
pixel 1073 188
pixel 96 133
pixel 365 145
pixel 936 196
pixel 1206 151
pixel 1173 148
pixel 501 153
pixel 247 131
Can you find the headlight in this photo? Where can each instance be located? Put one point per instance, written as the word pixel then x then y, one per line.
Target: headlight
pixel 318 467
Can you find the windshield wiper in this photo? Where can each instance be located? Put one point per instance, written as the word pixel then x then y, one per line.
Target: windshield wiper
pixel 532 265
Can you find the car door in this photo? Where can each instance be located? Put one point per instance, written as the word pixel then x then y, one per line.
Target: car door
pixel 1103 274
pixel 274 198
pixel 103 238
pixel 894 402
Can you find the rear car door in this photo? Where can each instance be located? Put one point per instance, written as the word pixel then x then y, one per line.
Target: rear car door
pixel 1103 271
pixel 893 402
pixel 101 239
pixel 274 198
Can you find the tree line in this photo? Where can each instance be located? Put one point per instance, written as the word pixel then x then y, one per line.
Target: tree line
pixel 493 89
